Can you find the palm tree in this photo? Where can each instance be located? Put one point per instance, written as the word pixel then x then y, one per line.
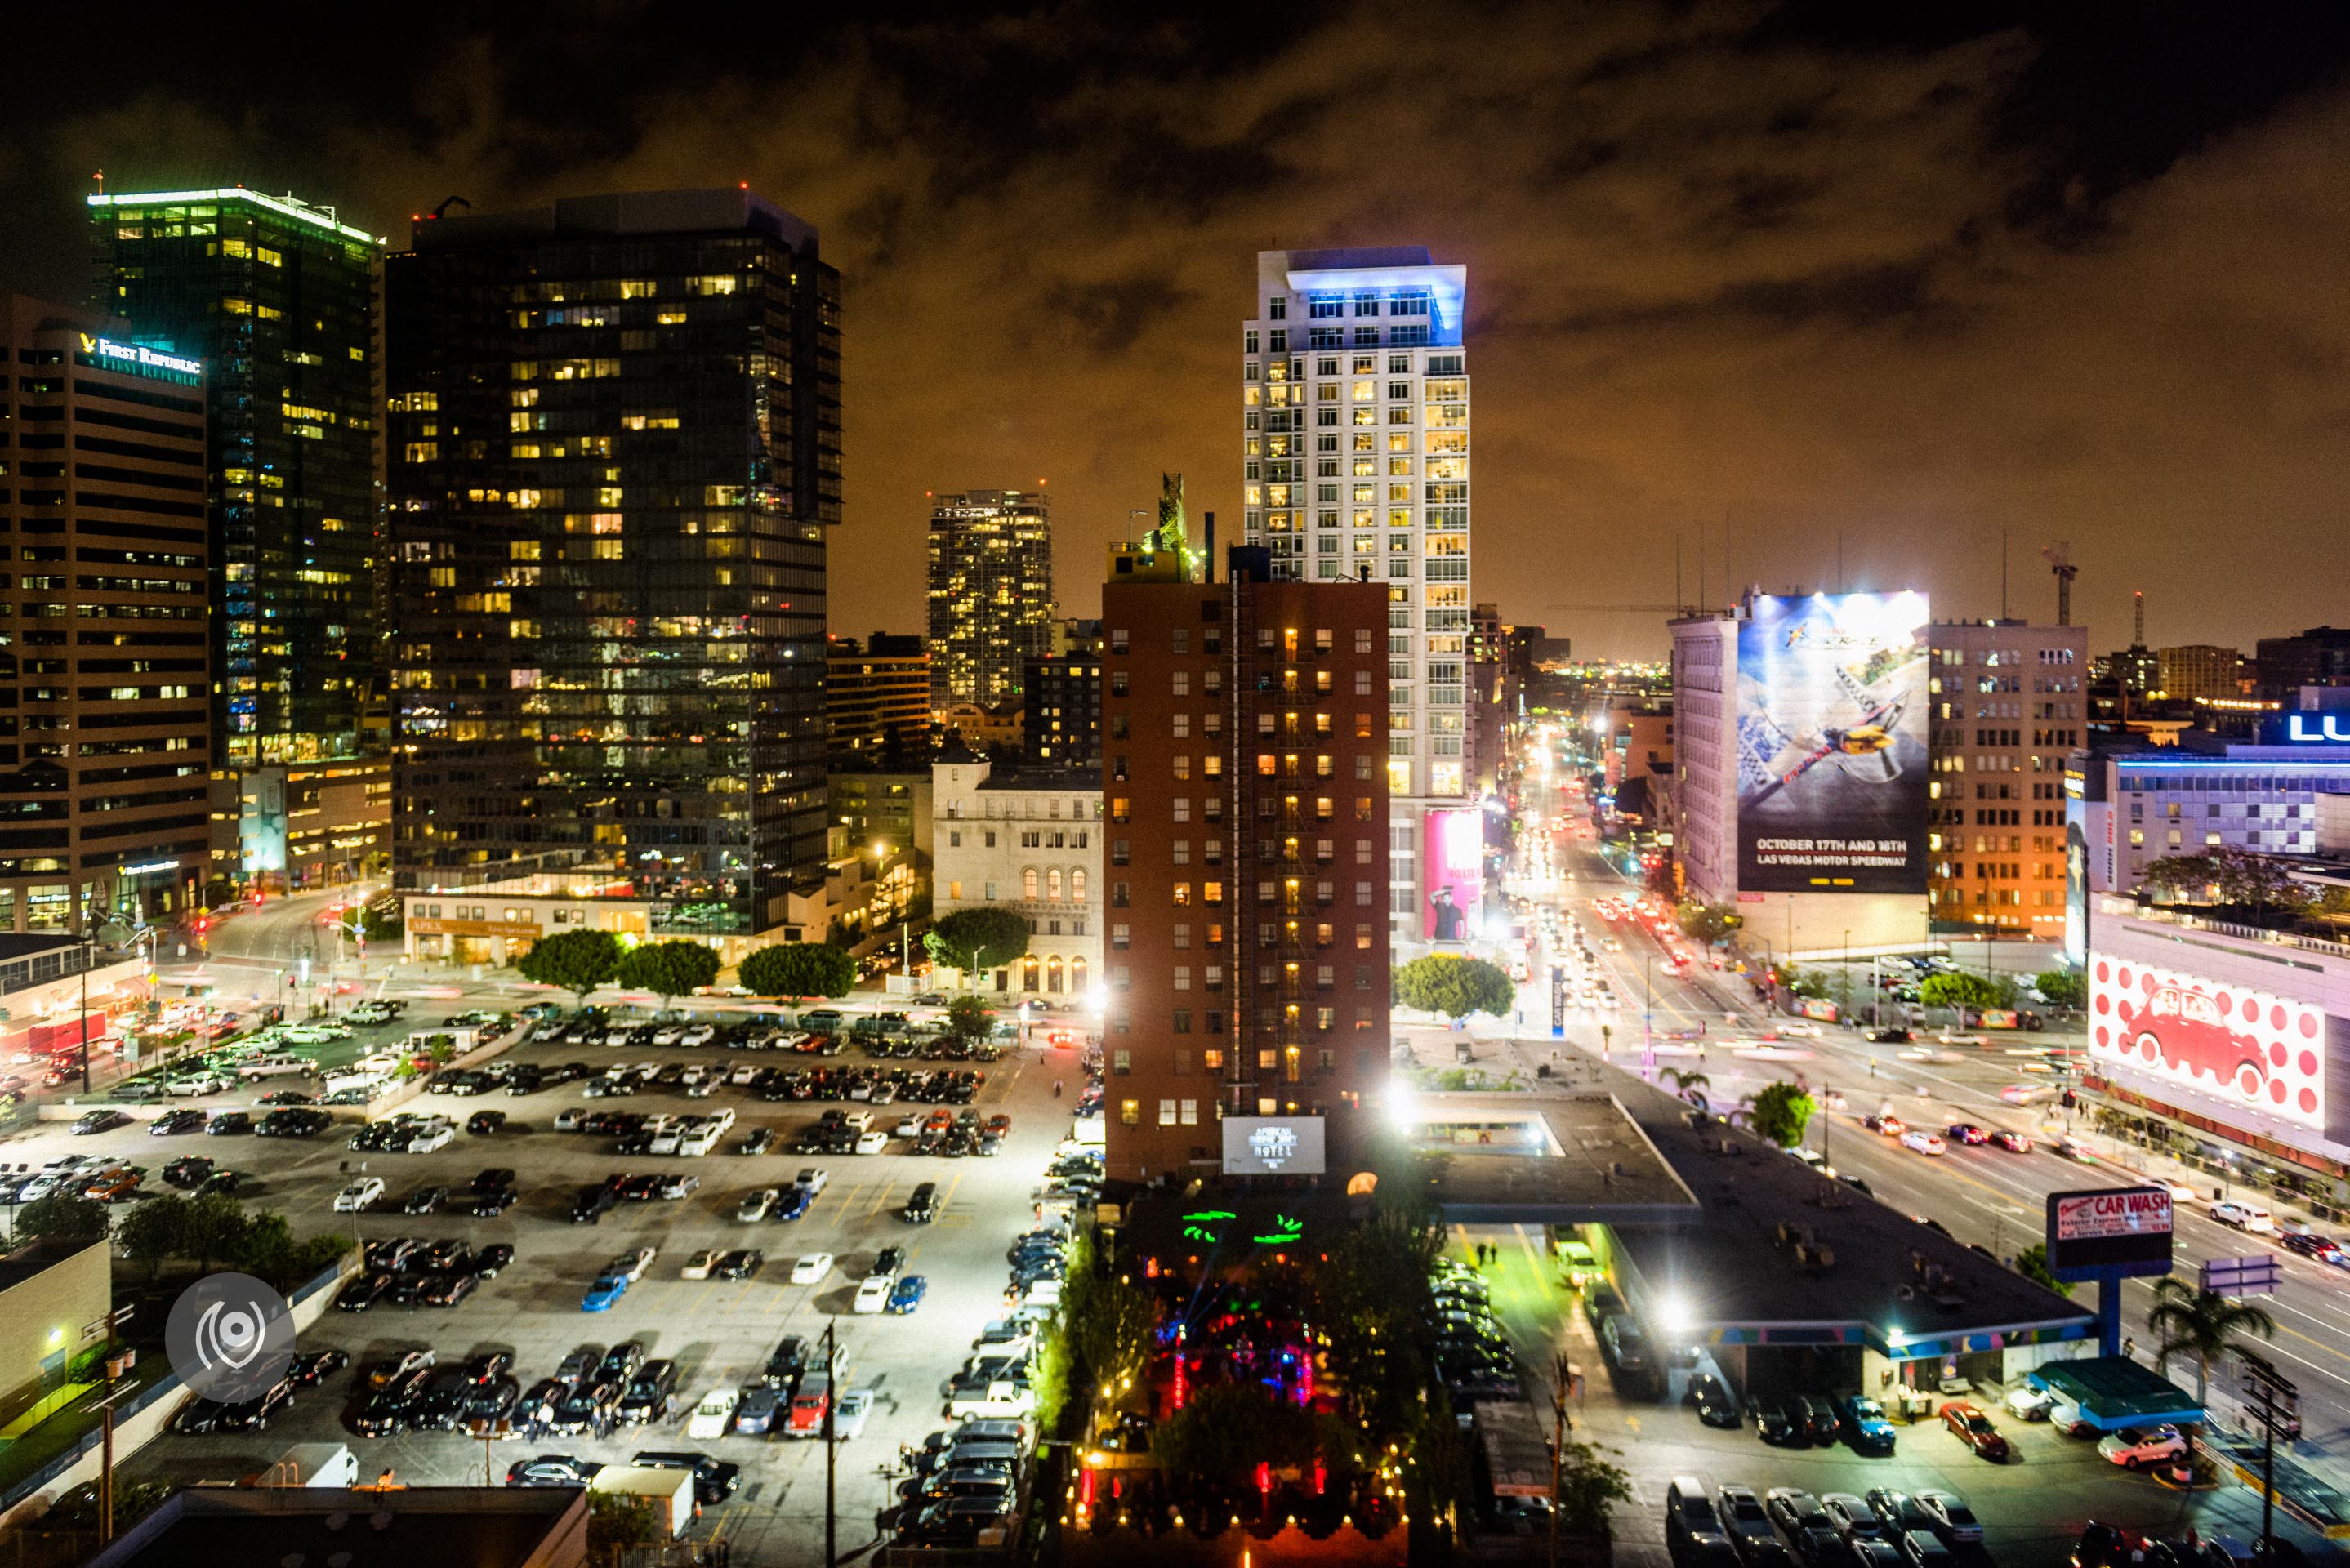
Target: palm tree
pixel 1691 1086
pixel 2199 1324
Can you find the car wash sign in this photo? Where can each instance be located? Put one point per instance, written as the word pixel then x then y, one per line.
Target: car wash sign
pixel 2113 1230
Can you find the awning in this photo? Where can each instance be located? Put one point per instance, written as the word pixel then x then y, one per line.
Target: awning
pixel 2114 1392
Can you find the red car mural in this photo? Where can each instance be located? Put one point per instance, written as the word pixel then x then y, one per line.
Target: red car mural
pixel 2185 1030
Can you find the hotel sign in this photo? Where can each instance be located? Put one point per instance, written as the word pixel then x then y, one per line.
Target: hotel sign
pixel 136 358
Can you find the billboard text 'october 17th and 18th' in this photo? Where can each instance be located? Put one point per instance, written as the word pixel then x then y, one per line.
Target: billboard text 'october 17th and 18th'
pixel 1832 759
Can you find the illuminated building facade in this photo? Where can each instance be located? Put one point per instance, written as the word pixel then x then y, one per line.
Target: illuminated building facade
pixel 279 298
pixel 615 452
pixel 1355 456
pixel 104 718
pixel 991 596
pixel 877 699
pixel 2009 708
pixel 1244 783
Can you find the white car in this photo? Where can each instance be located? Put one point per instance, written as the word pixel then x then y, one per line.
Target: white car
pixel 1801 1029
pixel 431 1140
pixel 872 1142
pixel 697 1266
pixel 811 1268
pixel 1947 1038
pixel 813 1178
pixel 1918 1140
pixel 2135 1448
pixel 714 1416
pixel 755 1204
pixel 2180 1191
pixel 2029 1404
pixel 910 1125
pixel 2248 1217
pixel 849 1417
pixel 872 1296
pixel 699 1035
pixel 359 1196
pixel 667 1034
pixel 196 1084
pixel 632 1266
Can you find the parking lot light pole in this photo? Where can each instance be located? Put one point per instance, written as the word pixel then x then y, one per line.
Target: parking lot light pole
pixel 831 1448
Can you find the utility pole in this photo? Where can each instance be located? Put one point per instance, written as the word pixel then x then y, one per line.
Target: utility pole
pixel 831 1448
pixel 1565 1375
pixel 2273 1399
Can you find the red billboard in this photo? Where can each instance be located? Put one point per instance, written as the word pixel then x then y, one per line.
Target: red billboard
pixel 2233 1044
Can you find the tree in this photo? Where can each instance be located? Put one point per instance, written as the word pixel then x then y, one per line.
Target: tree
pixel 798 969
pixel 1688 1082
pixel 1781 1113
pixel 2032 1264
pixel 1803 983
pixel 1708 922
pixel 1226 1430
pixel 154 1231
pixel 578 961
pixel 1962 990
pixel 668 968
pixel 971 940
pixel 64 1217
pixel 2060 987
pixel 1454 987
pixel 1589 1486
pixel 2200 1326
pixel 615 1524
pixel 216 1229
pixel 969 1018
pixel 2235 875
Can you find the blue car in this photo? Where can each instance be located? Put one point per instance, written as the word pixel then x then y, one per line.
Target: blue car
pixel 608 1289
pixel 907 1293
pixel 793 1203
pixel 1861 1422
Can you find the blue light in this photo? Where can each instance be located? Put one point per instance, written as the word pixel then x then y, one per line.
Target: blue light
pixel 1448 289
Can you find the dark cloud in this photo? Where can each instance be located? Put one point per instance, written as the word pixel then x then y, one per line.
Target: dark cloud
pixel 1905 277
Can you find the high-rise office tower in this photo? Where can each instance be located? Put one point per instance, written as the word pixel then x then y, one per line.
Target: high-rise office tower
pixel 1354 395
pixel 990 588
pixel 1244 783
pixel 279 298
pixel 614 451
pixel 103 730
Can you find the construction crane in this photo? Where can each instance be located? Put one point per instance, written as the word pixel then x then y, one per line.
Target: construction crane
pixel 2059 558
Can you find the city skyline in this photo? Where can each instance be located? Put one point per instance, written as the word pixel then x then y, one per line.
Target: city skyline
pixel 1890 299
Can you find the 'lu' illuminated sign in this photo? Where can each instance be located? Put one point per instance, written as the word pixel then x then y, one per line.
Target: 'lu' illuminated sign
pixel 138 358
pixel 2331 727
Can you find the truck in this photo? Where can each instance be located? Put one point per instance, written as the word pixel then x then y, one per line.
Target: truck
pixel 330 1465
pixel 809 1402
pixel 667 1494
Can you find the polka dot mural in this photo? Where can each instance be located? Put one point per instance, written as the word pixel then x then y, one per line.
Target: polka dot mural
pixel 2233 1044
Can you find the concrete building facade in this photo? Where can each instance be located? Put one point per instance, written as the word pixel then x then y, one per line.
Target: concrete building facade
pixel 1029 841
pixel 2009 708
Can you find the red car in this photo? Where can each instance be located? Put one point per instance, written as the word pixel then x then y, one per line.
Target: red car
pixel 2185 1030
pixel 1965 1132
pixel 1889 1124
pixel 1973 1428
pixel 2013 1142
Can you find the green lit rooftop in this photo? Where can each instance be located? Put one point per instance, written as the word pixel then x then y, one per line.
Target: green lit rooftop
pixel 284 206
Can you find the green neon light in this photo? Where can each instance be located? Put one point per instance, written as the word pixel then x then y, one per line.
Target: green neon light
pixel 1286 1230
pixel 1200 1226
pixel 284 207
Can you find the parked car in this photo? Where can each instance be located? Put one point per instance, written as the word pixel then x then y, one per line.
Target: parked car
pixel 1951 1518
pixel 1861 1423
pixel 906 1294
pixel 1967 1423
pixel 359 1196
pixel 2137 1447
pixel 715 1415
pixel 1715 1408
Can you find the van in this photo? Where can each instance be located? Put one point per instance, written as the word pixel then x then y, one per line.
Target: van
pixel 923 1206
pixel 964 1450
pixel 276 1066
pixel 1693 1531
pixel 1043 1292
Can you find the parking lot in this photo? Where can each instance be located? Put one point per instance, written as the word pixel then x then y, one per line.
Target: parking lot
pixel 719 1332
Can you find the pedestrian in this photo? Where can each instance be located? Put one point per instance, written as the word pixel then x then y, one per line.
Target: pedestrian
pixel 2129 1346
pixel 1056 1088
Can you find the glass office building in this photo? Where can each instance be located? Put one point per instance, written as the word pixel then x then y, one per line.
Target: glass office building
pixel 278 298
pixel 614 450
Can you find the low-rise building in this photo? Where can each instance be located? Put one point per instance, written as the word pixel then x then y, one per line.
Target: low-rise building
pixel 1029 840
pixel 56 1301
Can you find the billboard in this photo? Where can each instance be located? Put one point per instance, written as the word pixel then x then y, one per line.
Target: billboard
pixel 1455 885
pixel 1273 1146
pixel 1832 763
pixel 2247 1049
pixel 2125 1230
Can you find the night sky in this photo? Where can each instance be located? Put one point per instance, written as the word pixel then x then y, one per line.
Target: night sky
pixel 1762 278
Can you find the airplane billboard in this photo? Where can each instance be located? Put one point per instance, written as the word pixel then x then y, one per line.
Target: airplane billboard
pixel 1832 759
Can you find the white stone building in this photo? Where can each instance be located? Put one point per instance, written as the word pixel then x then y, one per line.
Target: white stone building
pixel 1029 840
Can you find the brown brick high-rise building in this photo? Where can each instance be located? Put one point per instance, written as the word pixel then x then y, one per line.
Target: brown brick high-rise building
pixel 1244 790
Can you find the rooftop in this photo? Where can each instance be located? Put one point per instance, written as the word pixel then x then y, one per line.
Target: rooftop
pixel 1345 260
pixel 720 210
pixel 286 206
pixel 1546 1159
pixel 522 1527
pixel 1783 1253
pixel 26 1261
